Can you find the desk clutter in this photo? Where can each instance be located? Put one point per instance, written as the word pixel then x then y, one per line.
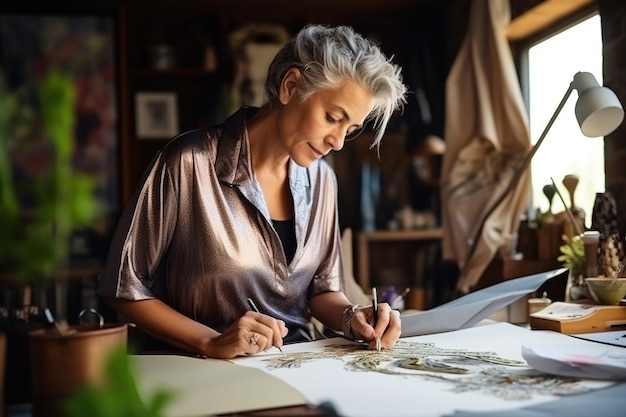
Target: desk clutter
pixel 594 256
pixel 574 318
pixel 594 294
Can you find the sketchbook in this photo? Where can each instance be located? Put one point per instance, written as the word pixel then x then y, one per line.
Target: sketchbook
pixel 480 369
pixel 469 309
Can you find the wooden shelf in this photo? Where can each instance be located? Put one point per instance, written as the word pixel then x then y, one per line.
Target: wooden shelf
pixel 401 235
pixel 365 238
pixel 173 72
pixel 72 273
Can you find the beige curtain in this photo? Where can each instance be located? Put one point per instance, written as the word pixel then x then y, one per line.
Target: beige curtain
pixel 487 136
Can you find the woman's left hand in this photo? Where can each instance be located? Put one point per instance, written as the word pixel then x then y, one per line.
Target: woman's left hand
pixel 387 330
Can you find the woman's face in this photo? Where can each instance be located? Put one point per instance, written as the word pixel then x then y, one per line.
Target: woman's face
pixel 311 129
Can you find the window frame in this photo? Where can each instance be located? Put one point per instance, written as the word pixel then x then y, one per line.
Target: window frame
pixel 521 47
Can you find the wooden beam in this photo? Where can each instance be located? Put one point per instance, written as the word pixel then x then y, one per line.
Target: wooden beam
pixel 542 16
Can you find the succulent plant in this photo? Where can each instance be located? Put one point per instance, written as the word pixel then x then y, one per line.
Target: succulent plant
pixel 572 253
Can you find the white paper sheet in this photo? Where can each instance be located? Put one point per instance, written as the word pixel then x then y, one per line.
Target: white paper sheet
pixel 466 311
pixel 596 362
pixel 374 394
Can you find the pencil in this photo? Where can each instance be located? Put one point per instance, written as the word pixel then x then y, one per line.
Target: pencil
pixel 375 305
pixel 375 311
pixel 252 305
pixel 256 309
pixel 399 297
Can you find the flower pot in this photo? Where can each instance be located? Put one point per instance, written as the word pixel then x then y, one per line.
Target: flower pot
pixel 60 364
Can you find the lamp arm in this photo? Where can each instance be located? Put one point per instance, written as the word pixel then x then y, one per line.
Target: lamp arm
pixel 533 151
pixel 517 174
pixel 529 156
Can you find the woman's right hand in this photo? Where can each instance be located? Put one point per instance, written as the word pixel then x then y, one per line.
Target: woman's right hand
pixel 251 333
pixel 158 319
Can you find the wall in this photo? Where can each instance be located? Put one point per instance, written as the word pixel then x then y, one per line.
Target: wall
pixel 613 17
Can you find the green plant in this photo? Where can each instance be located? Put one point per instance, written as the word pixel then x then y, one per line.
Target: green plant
pixel 39 213
pixel 572 253
pixel 118 395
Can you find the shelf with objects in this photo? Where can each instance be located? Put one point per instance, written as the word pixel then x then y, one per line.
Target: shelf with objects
pixel 402 259
pixel 167 102
pixel 563 239
pixel 398 240
pixel 174 76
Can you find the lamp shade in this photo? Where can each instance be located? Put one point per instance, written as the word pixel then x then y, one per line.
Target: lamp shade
pixel 598 110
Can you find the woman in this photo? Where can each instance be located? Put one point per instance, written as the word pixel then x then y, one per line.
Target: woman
pixel 248 209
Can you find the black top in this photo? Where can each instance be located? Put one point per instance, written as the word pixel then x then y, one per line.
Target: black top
pixel 287 233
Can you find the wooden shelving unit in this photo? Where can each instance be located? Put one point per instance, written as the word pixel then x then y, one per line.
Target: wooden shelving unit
pixel 419 244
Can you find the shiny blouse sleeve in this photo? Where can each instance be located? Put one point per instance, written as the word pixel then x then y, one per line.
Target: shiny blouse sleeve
pixel 142 236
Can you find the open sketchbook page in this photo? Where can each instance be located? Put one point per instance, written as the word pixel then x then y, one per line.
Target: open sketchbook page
pixel 606 402
pixel 469 309
pixel 480 369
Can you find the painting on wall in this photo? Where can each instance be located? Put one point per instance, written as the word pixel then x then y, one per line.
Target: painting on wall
pixel 156 115
pixel 82 47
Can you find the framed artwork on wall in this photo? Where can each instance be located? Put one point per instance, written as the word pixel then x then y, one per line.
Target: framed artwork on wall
pixel 156 115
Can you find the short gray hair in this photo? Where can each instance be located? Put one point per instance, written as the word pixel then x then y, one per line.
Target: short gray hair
pixel 329 56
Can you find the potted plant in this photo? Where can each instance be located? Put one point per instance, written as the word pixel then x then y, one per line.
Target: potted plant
pixel 38 214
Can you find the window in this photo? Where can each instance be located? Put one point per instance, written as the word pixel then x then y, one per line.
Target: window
pixel 552 63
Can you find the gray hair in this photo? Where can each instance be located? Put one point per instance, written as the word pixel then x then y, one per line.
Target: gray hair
pixel 327 57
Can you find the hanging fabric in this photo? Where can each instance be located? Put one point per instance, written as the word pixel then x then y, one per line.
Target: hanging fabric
pixel 487 136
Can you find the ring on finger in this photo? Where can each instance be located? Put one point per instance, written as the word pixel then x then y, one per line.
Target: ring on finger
pixel 254 338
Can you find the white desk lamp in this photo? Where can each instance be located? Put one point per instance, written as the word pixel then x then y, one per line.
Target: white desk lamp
pixel 598 111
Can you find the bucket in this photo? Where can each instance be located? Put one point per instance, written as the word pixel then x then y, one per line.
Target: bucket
pixel 60 364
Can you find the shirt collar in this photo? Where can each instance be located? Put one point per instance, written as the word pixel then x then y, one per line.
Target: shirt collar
pixel 233 164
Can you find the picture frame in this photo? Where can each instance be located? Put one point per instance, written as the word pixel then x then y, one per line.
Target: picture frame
pixel 156 115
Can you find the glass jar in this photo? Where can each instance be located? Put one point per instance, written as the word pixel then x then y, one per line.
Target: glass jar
pixel 576 288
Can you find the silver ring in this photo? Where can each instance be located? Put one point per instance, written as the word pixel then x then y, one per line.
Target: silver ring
pixel 99 317
pixel 254 338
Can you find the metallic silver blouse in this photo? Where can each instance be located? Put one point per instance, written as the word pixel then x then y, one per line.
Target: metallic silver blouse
pixel 197 234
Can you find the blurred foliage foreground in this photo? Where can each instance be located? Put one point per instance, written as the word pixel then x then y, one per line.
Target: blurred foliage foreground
pixel 40 208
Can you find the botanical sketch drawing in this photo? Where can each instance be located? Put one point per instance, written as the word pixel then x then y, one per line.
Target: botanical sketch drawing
pixel 465 370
